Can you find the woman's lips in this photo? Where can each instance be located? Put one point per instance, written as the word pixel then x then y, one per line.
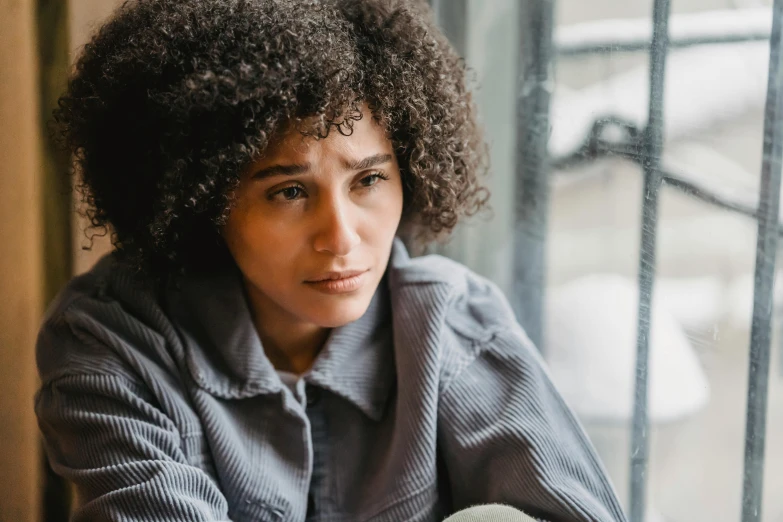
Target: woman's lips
pixel 338 283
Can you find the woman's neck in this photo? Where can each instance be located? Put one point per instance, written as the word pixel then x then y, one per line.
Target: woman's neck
pixel 289 344
pixel 291 349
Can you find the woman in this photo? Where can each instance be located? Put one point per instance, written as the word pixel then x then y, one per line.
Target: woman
pixel 260 345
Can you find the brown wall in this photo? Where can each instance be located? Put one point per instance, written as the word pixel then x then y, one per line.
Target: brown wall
pixel 20 259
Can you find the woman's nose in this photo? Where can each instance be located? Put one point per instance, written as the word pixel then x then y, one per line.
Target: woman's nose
pixel 336 229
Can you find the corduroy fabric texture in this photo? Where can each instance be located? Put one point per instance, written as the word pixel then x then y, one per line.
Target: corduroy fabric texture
pixel 161 406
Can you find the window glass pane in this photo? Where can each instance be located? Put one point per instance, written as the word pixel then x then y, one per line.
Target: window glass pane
pixel 714 104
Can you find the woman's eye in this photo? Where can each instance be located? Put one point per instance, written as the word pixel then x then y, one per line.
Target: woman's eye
pixel 288 193
pixel 372 179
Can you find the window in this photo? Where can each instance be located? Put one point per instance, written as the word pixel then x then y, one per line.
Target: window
pixel 636 164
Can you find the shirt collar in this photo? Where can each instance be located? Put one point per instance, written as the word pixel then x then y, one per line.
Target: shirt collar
pixel 225 357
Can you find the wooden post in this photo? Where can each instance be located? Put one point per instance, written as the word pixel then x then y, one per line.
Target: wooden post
pixel 57 204
pixel 53 53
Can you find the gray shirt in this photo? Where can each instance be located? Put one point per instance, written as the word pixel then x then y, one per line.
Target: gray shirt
pixel 161 406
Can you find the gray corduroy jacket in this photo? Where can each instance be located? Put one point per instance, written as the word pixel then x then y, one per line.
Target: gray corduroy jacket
pixel 162 407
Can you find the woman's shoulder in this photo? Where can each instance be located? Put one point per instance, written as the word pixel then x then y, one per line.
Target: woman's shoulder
pixel 471 315
pixel 110 283
pixel 98 321
pixel 90 284
pixel 471 304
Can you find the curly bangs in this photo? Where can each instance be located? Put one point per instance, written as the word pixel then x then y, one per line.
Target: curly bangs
pixel 171 99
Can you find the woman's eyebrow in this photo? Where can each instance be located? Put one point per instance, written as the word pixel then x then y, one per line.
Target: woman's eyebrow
pixel 369 161
pixel 292 170
pixel 281 170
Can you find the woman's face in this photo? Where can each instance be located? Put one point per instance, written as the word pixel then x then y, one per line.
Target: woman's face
pixel 314 222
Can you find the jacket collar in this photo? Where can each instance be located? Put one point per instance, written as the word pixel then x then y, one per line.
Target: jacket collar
pixel 357 361
pixel 225 357
pixel 223 351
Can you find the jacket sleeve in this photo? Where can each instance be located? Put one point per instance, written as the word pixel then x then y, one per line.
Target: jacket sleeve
pixel 507 437
pixel 103 432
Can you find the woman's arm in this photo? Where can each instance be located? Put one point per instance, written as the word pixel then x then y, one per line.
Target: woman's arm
pixel 507 437
pixel 122 454
pixel 104 433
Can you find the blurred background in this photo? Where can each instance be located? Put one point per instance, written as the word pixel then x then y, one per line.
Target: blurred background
pixel 573 276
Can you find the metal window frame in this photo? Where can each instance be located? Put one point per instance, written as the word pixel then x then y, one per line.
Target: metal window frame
pixel 534 87
pixel 764 280
pixel 651 159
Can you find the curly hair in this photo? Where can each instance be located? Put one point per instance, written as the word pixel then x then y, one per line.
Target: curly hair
pixel 171 99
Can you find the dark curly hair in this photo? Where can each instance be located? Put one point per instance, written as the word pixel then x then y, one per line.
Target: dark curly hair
pixel 171 99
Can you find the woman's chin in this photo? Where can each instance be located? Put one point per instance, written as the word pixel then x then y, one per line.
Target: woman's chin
pixel 340 313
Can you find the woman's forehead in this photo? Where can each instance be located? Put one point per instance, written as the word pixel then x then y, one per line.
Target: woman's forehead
pixel 365 135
